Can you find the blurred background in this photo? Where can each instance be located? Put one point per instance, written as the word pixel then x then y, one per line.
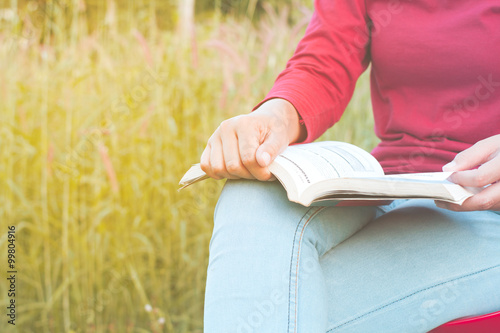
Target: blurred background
pixel 104 104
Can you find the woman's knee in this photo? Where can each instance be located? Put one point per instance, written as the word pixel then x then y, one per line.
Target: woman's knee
pixel 244 195
pixel 261 211
pixel 252 214
pixel 253 203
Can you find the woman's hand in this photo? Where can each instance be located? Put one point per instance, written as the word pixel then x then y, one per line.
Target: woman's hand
pixel 243 146
pixel 486 155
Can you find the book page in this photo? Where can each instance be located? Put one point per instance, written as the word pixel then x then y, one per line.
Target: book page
pixel 193 175
pixel 441 177
pixel 431 178
pixel 437 177
pixel 429 186
pixel 314 162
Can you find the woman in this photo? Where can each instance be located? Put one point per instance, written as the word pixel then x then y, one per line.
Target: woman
pixel 276 266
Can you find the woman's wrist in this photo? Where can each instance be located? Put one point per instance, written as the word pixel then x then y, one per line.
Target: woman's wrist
pixel 295 128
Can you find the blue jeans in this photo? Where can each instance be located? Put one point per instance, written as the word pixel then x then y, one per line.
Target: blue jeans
pixel 276 266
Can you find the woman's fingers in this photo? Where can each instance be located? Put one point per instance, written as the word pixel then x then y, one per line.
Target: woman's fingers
pixel 486 155
pixel 230 149
pixel 205 159
pixel 270 149
pixel 245 145
pixel 217 163
pixel 478 154
pixel 487 199
pixel 486 174
pixel 248 144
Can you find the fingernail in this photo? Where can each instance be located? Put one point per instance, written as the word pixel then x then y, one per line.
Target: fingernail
pixel 439 204
pixel 450 166
pixel 266 158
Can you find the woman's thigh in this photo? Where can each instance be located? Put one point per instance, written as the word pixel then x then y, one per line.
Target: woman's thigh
pixel 264 273
pixel 413 269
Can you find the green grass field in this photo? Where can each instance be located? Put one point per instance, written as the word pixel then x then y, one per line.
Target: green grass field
pixel 97 126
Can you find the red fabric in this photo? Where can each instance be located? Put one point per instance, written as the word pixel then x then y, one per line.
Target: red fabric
pixel 435 75
pixel 485 323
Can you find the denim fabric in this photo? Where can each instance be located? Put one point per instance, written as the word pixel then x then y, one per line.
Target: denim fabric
pixel 276 266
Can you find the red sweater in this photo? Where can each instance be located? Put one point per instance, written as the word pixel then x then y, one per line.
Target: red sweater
pixel 435 74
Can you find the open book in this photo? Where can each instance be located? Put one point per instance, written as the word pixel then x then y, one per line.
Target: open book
pixel 323 173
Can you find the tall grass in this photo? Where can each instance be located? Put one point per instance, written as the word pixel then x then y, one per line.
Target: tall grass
pixel 97 125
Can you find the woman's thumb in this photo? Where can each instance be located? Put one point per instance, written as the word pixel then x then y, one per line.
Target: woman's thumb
pixel 267 152
pixel 264 158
